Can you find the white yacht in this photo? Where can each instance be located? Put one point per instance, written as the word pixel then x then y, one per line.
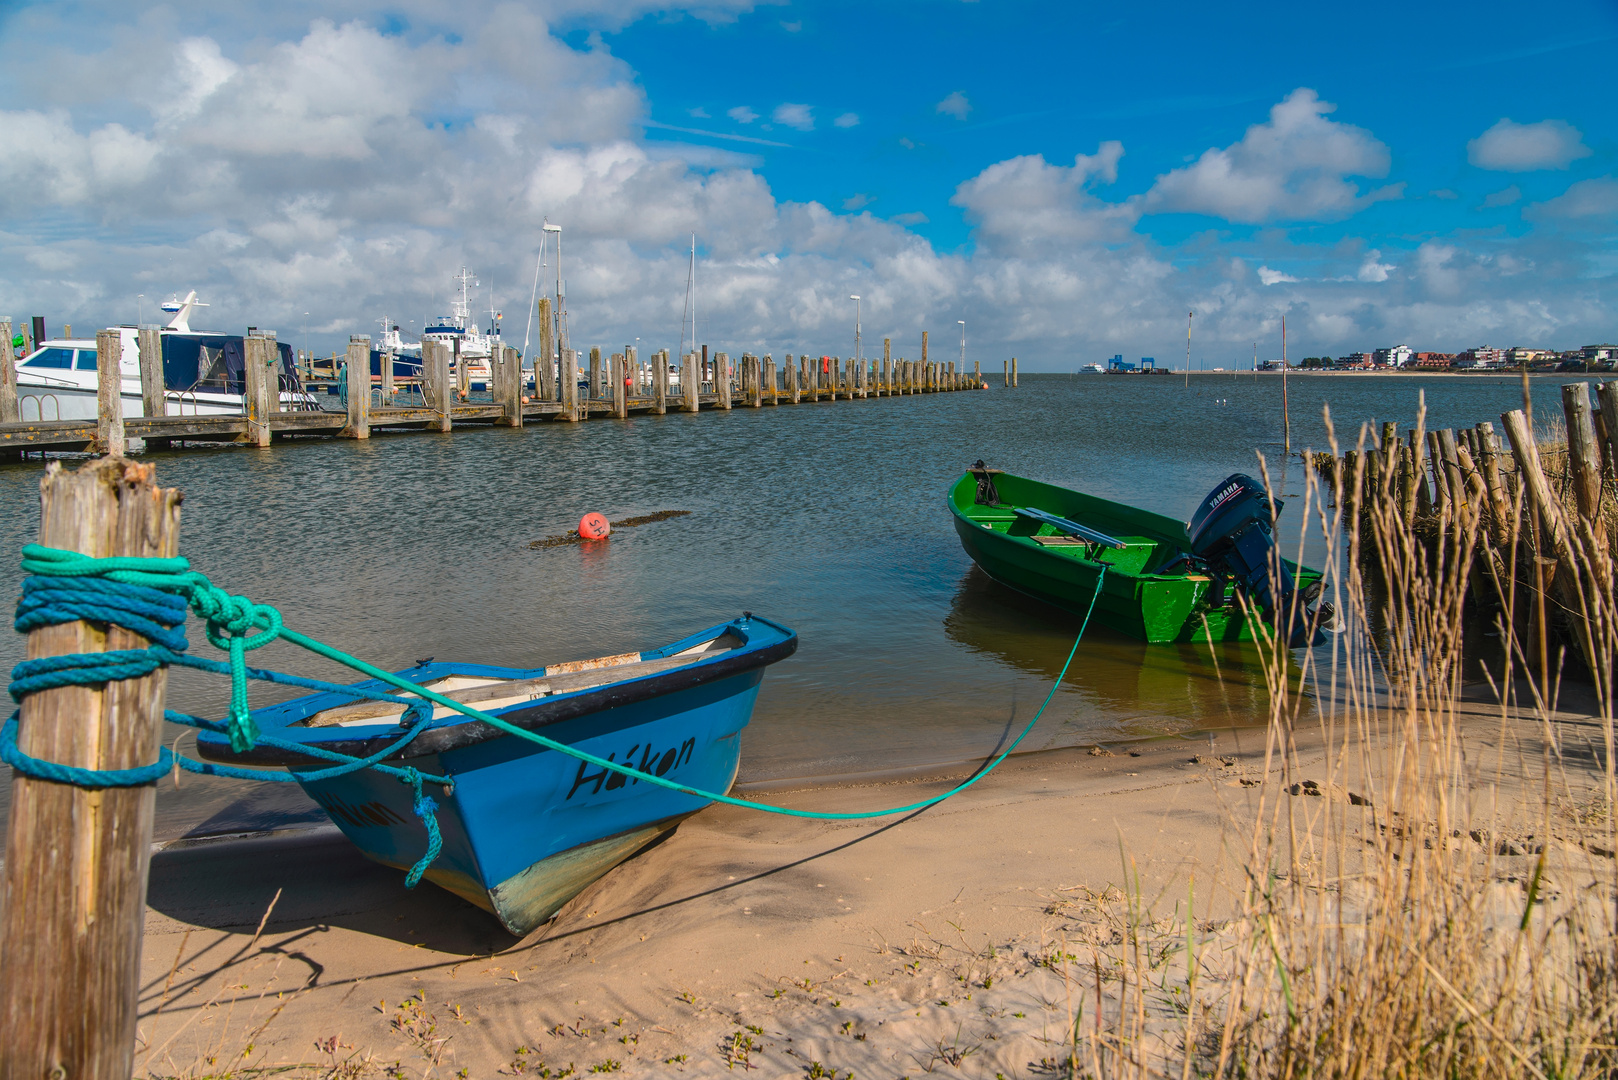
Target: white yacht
pixel 202 373
pixel 459 332
pixel 1093 369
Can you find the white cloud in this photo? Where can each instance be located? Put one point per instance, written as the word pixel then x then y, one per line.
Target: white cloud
pixel 847 120
pixel 955 105
pixel 1026 203
pixel 857 202
pixel 279 163
pixel 1503 197
pixel 1596 197
pixel 1513 147
pixel 1292 168
pixel 801 117
pixel 1373 269
pixel 698 113
pixel 742 114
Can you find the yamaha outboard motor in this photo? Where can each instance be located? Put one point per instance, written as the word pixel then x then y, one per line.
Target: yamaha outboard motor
pixel 1230 534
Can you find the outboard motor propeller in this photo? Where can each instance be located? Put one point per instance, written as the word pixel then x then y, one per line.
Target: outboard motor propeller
pixel 1230 533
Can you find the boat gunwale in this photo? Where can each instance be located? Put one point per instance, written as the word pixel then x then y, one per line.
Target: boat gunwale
pixel 542 713
pixel 1027 543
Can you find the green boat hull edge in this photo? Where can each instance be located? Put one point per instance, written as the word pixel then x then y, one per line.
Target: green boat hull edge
pixel 1134 601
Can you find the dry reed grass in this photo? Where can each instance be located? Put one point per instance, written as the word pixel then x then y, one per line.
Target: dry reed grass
pixel 1438 910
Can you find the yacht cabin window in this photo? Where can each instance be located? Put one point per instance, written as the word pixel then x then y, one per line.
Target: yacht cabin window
pixel 51 357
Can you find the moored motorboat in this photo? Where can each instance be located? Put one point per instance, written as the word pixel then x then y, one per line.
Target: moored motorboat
pixel 525 828
pixel 1164 580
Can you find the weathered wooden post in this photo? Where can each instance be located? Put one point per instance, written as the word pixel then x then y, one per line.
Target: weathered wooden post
pixel 1013 371
pixel 977 375
pixel 1005 372
pixel 437 390
pixel 545 358
pixel 109 393
pixel 618 371
pixel 1489 452
pixel 570 385
pixel 636 387
pixel 358 373
pixel 755 382
pixel 594 390
pixel 154 402
pixel 690 383
pixel 721 379
pixel 769 379
pixel 833 369
pixel 1607 396
pixel 505 371
pixel 660 382
pixel 9 413
pixel 463 376
pixel 924 360
pixel 385 382
pixel 950 377
pixel 790 373
pixel 884 388
pixel 74 903
pixel 1583 453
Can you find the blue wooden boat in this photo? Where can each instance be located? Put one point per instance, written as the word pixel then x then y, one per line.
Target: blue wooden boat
pixel 526 828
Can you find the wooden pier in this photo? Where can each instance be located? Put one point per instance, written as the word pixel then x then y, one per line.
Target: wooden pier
pixel 615 387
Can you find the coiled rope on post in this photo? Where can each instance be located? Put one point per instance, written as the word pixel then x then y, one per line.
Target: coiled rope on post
pixel 152 597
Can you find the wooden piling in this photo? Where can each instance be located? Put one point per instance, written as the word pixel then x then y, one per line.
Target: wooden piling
pixel 755 382
pixel 437 391
pixel 572 410
pixel 1005 372
pixel 1489 460
pixel 721 379
pixel 358 371
pixel 109 393
pixel 884 388
pixel 74 902
pixel 385 377
pixel 1607 395
pixel 1583 454
pixel 545 358
pixel 257 380
pixel 690 383
pixel 505 372
pixel 924 360
pixel 9 413
pixel 153 400
pixel 660 382
pixel 977 374
pixel 595 390
pixel 768 376
pixel 1014 382
pixel 463 377
pixel 1452 469
pixel 617 372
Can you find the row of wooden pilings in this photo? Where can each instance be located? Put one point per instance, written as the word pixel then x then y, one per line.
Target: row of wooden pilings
pixel 1557 550
pixel 616 386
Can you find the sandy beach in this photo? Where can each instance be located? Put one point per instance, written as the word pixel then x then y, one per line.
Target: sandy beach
pixel 743 942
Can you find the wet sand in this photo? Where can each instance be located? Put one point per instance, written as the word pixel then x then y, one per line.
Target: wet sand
pixel 744 941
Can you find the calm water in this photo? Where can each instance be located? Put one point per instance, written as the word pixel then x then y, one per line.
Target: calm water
pixel 830 519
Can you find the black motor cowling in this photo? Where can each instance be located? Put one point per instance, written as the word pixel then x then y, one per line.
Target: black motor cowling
pixel 1231 535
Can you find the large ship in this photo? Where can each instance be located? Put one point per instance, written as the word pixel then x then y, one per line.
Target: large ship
pixel 469 347
pixel 203 372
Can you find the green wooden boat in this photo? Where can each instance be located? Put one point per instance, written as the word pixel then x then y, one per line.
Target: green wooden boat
pixel 1050 543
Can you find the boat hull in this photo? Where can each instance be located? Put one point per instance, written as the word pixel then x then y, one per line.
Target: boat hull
pixel 525 828
pixel 1147 606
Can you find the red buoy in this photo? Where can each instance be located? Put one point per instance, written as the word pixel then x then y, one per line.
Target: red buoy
pixel 594 526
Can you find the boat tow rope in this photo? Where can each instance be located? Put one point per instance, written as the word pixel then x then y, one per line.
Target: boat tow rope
pixel 152 597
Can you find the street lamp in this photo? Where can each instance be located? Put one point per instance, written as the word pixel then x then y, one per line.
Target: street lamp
pixel 857 305
pixel 963 345
pixel 140 309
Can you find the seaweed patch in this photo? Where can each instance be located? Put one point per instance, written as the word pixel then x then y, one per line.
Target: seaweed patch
pixel 573 536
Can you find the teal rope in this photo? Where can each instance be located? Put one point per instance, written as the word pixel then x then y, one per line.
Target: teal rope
pixel 238 625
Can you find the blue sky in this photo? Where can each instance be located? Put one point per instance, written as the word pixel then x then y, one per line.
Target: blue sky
pixel 1069 178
